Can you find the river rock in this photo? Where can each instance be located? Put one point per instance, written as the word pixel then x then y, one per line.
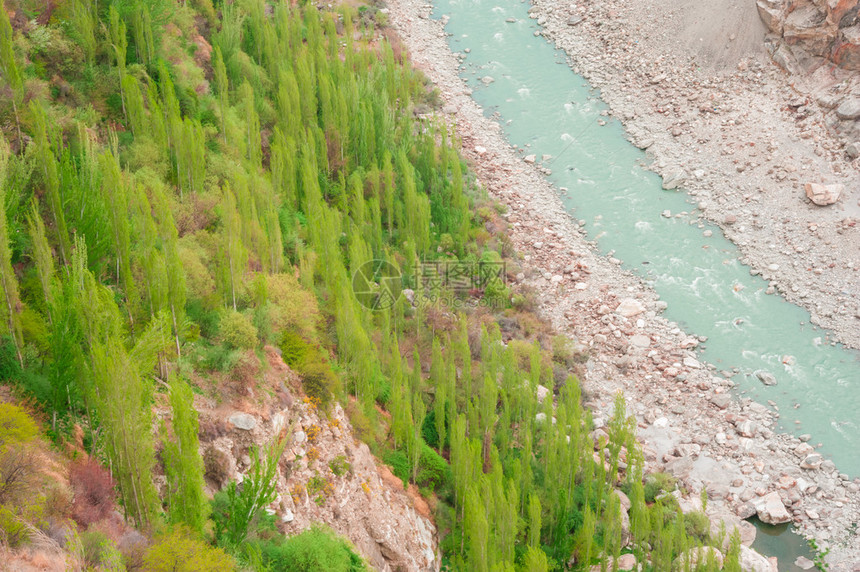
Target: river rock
pixel 629 307
pixel 692 363
pixel 487 79
pixel 640 341
pixel 765 377
pixel 812 462
pixel 692 558
pixel 242 421
pixel 530 159
pixel 849 109
pixel 804 563
pixel 674 178
pixel 823 195
pixel 770 509
pixel 721 400
pixel 752 561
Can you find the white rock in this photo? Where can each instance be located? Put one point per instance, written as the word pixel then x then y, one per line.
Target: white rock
pixel 771 510
pixel 629 307
pixel 823 195
pixel 692 363
pixel 242 421
pixel 752 561
pixel 697 556
pixel 542 392
pixel 812 461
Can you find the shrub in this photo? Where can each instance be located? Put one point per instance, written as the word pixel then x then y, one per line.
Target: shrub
pixel 339 466
pixel 433 470
pixel 318 380
pixel 658 483
pixel 698 525
pixel 98 549
pixel 94 492
pixel 291 307
pixel 318 548
pixel 179 551
pixel 294 349
pixel 237 330
pixel 16 427
pixel 399 464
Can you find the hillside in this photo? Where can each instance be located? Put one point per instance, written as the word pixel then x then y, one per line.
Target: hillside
pixel 214 210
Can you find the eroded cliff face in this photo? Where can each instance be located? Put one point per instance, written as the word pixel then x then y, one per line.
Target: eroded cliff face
pixel 828 29
pixel 326 474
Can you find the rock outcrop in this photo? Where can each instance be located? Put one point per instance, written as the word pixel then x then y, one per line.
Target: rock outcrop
pixel 326 475
pixel 822 29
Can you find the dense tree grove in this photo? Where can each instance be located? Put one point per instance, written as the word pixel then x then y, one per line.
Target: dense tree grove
pixel 172 198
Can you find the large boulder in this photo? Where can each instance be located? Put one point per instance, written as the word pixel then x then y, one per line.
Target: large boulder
pixel 807 27
pixel 695 557
pixel 771 510
pixel 847 52
pixel 242 421
pixel 752 561
pixel 772 13
pixel 823 195
pixel 629 307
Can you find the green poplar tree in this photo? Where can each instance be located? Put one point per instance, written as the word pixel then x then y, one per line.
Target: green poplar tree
pixel 534 521
pixel 45 157
pixel 9 67
pixel 183 465
pixel 8 281
pixel 42 256
pixel 222 84
pixel 234 255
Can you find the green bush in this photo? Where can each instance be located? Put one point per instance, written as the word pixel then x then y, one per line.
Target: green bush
pixel 399 464
pixel 179 551
pixel 658 483
pixel 433 471
pixel 318 380
pixel 316 549
pixel 15 426
pixel 237 330
pixel 428 429
pixel 294 349
pixel 698 525
pixel 98 548
pixel 340 466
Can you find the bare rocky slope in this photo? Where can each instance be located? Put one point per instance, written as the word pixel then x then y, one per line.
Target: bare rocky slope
pixel 697 119
pixel 326 475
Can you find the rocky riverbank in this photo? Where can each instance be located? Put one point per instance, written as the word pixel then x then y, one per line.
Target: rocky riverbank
pixel 689 423
pixel 738 133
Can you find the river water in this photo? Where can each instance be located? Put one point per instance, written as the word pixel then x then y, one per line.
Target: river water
pixel 545 108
